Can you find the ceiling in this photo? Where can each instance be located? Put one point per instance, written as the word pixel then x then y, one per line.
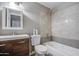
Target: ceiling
pixel 53 5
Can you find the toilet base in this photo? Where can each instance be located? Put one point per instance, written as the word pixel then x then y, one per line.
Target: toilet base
pixel 40 50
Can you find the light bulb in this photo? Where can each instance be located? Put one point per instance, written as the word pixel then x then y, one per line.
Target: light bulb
pixel 12 5
pixel 21 6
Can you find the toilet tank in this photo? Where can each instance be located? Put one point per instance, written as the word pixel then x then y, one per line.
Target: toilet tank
pixel 35 39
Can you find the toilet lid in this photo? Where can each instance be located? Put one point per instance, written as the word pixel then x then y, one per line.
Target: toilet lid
pixel 41 48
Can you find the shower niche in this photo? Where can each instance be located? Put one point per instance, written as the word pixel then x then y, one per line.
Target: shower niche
pixel 12 19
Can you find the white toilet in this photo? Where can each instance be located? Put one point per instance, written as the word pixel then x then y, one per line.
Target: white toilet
pixel 39 49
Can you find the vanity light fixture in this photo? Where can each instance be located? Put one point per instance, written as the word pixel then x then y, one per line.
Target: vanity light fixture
pixel 20 5
pixel 12 5
pixel 16 5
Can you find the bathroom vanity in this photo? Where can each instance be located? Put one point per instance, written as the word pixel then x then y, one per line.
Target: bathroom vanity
pixel 15 45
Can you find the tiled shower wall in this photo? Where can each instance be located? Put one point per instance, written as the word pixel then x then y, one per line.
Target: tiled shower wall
pixel 65 25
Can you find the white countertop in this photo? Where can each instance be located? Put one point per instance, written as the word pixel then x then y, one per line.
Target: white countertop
pixel 12 37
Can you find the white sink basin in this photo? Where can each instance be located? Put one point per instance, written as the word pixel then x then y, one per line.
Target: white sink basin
pixel 9 37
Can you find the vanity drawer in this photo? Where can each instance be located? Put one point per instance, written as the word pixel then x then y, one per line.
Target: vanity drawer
pixel 15 47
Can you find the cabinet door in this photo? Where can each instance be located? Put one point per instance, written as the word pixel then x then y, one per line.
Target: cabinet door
pixel 21 47
pixel 5 49
pixel 21 50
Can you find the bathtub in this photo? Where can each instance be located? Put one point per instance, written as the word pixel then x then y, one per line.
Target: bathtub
pixel 58 49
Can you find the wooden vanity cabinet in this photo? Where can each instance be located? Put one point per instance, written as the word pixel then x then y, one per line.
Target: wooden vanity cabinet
pixel 18 47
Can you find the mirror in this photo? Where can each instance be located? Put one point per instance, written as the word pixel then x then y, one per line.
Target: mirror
pixel 15 21
pixel 12 19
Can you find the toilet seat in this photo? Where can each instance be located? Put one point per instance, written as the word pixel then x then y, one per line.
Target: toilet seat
pixel 40 49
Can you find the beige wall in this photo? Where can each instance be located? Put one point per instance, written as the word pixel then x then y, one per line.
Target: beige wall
pixel 65 24
pixel 35 16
